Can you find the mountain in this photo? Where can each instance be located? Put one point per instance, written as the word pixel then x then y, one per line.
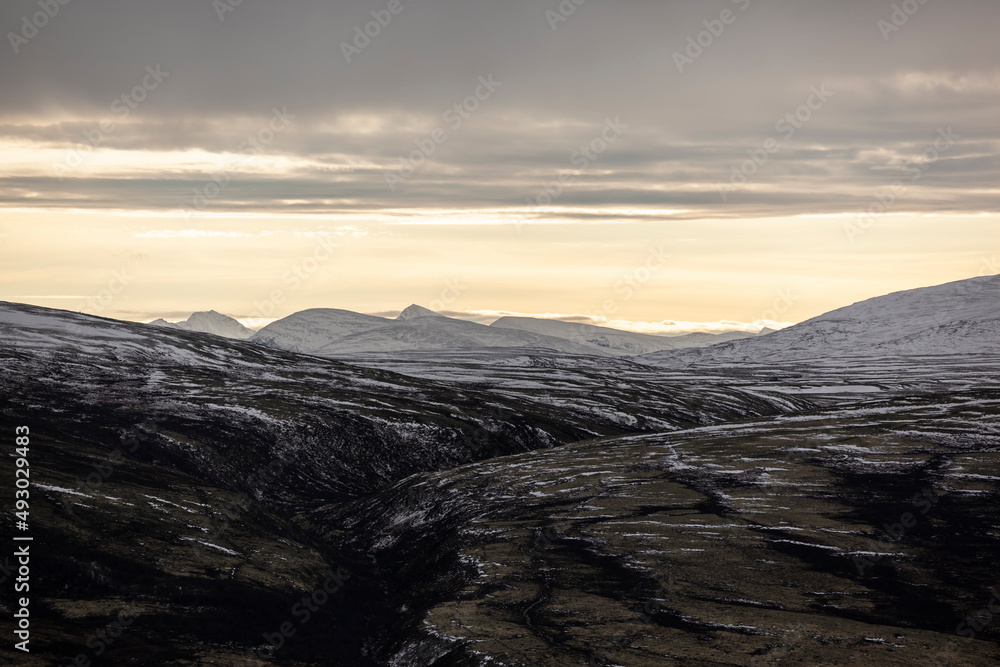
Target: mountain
pixel 331 333
pixel 309 331
pixel 704 339
pixel 961 317
pixel 414 311
pixel 210 322
pixel 614 341
pixel 251 506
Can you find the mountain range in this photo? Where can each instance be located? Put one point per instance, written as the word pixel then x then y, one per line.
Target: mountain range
pixel 615 341
pixel 522 506
pixel 210 322
pixel 957 317
pixel 332 333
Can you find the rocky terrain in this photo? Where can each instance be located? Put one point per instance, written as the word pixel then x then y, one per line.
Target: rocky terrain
pixel 201 500
pixel 865 534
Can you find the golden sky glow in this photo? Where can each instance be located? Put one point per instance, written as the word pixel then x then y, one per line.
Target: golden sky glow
pixel 803 162
pixel 719 274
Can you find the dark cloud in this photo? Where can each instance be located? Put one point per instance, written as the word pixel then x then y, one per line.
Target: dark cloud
pixel 686 131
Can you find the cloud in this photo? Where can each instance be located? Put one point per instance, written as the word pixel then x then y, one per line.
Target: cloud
pixel 80 180
pixel 355 121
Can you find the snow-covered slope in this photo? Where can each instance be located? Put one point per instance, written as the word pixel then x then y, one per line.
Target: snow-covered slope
pixel 309 331
pixel 703 339
pixel 332 333
pixel 961 317
pixel 210 322
pixel 613 341
pixel 444 333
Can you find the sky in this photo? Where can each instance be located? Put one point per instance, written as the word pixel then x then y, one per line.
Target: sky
pixel 656 166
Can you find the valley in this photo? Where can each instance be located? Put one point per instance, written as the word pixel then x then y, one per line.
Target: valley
pixel 513 505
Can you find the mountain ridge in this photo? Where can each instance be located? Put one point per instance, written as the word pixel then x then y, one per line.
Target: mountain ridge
pixel 209 321
pixel 614 341
pixel 958 317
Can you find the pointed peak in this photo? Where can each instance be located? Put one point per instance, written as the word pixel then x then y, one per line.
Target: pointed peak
pixel 414 311
pixel 209 313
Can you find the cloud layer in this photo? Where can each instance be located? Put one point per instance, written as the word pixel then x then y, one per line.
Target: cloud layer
pixel 217 131
pixel 686 131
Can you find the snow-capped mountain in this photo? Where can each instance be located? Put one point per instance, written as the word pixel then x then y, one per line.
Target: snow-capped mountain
pixel 614 341
pixel 961 317
pixel 444 333
pixel 308 331
pixel 413 311
pixel 344 428
pixel 427 494
pixel 210 322
pixel 331 333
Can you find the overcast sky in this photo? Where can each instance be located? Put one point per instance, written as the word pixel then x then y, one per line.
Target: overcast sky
pixel 706 162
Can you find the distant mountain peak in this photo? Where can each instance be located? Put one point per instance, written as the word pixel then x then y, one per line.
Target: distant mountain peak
pixel 209 321
pixel 414 311
pixel 209 315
